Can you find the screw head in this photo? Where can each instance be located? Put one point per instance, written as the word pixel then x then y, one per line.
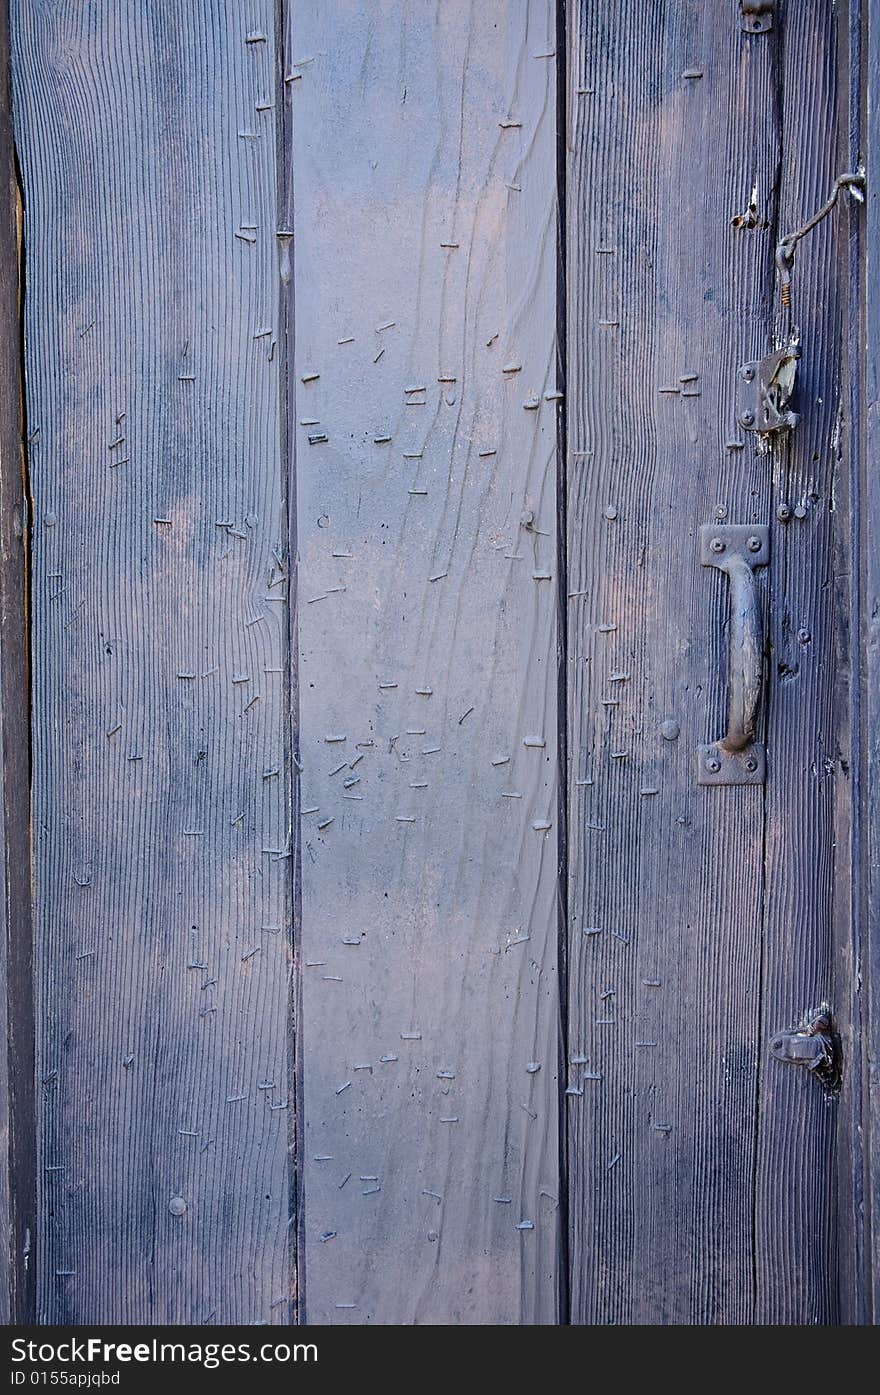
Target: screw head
pixel 804 636
pixel 753 544
pixel 717 545
pixel 783 513
pixel 748 372
pixel 751 763
pixel 747 418
pixel 713 764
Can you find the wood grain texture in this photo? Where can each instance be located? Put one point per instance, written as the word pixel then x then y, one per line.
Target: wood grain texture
pixel 853 980
pixel 147 136
pixel 796 1222
pixel 325 236
pixel 672 124
pixel 17 1186
pixel 425 171
pixel 863 966
pixel 714 1165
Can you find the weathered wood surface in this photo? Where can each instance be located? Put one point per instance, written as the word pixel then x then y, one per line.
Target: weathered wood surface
pixel 16 993
pixel 853 982
pixel 699 1169
pixel 147 137
pixel 425 282
pixel 795 1193
pixel 862 964
pixel 180 357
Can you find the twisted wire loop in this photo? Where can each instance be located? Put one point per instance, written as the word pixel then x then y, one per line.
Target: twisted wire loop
pixel 854 181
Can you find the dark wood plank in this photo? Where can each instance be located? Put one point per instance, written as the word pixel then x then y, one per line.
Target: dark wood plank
pixel 795 1197
pixel 859 969
pixel 425 172
pixel 852 975
pixel 17 1166
pixel 149 150
pixel 870 714
pixel 672 124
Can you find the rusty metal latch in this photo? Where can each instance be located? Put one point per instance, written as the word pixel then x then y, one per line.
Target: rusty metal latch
pixel 812 1045
pixel 765 391
pixel 756 16
pixel 738 759
pixel 766 386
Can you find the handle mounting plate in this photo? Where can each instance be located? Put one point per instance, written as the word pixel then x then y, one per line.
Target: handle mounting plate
pixel 719 544
pixel 715 766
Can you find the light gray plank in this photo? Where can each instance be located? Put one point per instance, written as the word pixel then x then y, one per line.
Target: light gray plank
pixel 17 1185
pixel 425 166
pixel 160 703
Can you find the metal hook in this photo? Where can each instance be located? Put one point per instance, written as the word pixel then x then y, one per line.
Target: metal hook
pixel 854 181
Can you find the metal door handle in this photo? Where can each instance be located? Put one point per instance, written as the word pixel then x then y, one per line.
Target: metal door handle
pixel 746 656
pixel 737 758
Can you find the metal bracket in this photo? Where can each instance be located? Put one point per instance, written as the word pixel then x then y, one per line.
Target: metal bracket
pixel 721 543
pixel 737 759
pixel 715 766
pixel 765 389
pixel 812 1045
pixel 756 16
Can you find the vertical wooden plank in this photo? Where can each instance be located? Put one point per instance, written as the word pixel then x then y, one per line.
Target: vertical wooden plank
pixel 852 972
pixel 148 144
pixel 796 1218
pixel 17 1189
pixel 672 124
pixel 864 451
pixel 425 171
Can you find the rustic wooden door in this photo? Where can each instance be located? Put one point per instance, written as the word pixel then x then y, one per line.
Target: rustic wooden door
pixel 434 722
pixel 703 1171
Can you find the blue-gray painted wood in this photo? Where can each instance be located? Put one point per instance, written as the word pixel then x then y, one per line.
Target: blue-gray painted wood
pixel 425 280
pixel 861 961
pixel 148 146
pixel 808 793
pixel 702 1172
pixel 399 351
pixel 17 1181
